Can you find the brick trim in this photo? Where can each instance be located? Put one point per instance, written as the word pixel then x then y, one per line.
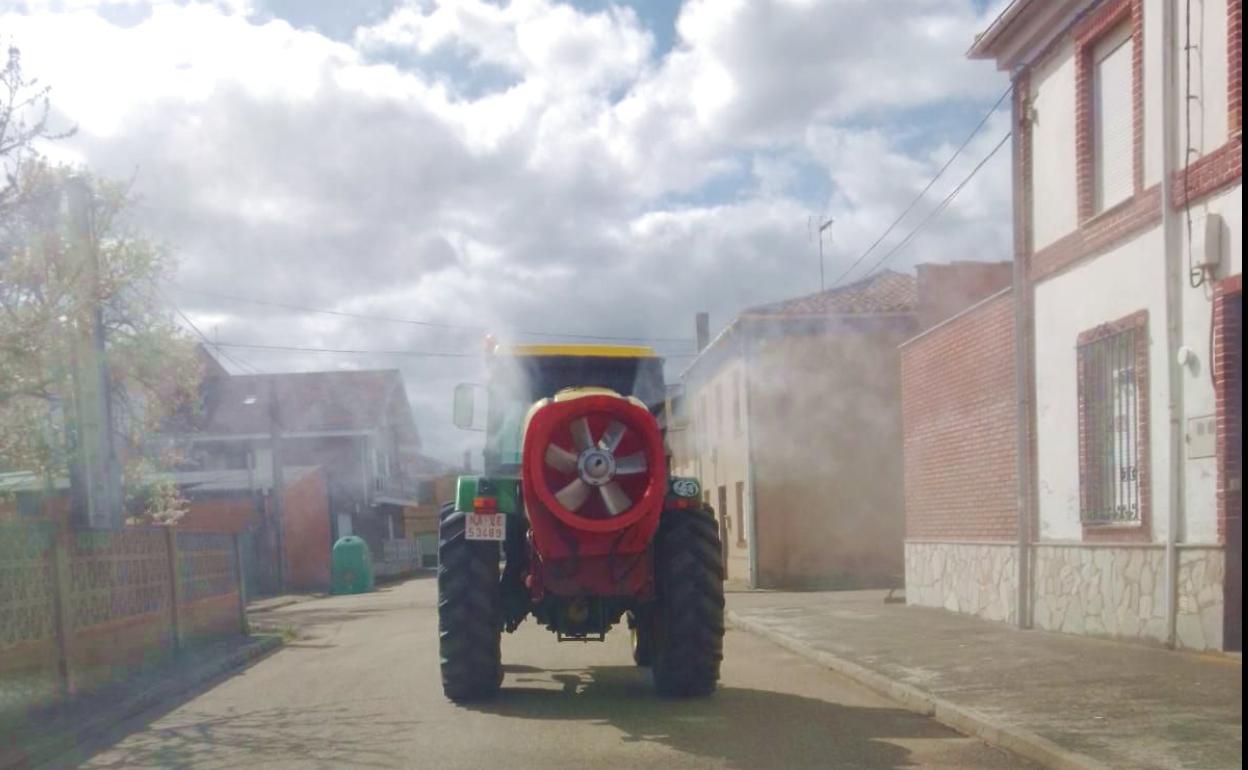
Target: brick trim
pixel 1235 57
pixel 1208 173
pixel 1141 531
pixel 1093 237
pixel 1225 341
pixel 1087 34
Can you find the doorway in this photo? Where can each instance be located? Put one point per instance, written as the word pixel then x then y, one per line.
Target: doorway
pixel 723 527
pixel 1233 589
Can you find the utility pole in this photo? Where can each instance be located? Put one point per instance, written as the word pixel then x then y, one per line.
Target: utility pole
pixel 279 484
pixel 822 227
pixel 97 470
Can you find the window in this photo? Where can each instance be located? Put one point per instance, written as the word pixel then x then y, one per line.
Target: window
pixel 740 513
pixel 736 403
pixel 1113 119
pixel 1112 376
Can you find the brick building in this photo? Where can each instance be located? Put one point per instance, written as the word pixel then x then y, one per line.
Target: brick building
pixel 791 418
pixel 1128 254
pixel 960 422
pixel 356 425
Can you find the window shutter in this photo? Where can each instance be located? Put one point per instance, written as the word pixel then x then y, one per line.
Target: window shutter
pixel 1113 121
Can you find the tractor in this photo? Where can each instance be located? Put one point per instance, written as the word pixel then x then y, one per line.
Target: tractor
pixel 577 521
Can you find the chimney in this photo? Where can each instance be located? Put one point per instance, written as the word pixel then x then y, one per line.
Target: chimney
pixel 703 330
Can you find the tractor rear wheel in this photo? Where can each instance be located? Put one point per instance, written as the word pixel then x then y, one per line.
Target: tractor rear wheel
pixel 689 627
pixel 470 611
pixel 641 629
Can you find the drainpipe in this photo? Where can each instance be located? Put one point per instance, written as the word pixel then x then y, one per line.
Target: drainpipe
pixel 1174 320
pixel 751 522
pixel 1022 356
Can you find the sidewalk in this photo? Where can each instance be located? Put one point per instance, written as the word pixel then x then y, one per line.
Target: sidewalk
pixel 1064 700
pixel 60 736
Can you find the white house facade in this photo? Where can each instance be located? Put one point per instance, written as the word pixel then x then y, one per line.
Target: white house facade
pixel 1128 249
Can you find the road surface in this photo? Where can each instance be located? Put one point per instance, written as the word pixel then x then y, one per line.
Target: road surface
pixel 359 687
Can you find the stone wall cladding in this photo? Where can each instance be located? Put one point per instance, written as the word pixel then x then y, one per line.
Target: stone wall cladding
pixel 974 578
pixel 1199 622
pixel 1120 592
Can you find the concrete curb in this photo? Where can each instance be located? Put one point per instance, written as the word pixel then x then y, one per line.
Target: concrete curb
pixel 277 604
pixel 1022 742
pixel 59 746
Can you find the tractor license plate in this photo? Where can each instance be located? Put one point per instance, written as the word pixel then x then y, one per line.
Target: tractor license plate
pixel 486 526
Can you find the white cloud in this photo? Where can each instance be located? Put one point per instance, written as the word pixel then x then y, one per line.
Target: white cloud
pixel 598 189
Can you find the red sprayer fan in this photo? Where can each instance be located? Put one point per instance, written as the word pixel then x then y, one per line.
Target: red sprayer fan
pixel 594 461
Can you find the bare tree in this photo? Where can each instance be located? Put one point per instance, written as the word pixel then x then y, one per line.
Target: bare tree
pixel 25 110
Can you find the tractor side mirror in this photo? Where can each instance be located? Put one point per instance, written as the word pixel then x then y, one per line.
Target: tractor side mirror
pixel 465 407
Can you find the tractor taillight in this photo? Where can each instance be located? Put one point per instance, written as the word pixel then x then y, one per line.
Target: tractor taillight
pixel 485 505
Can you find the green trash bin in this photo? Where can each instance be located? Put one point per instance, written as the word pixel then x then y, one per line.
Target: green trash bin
pixel 352 566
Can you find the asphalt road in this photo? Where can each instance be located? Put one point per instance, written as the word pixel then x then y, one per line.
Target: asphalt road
pixel 359 688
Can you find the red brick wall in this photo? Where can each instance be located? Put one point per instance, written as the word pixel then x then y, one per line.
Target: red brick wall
pixel 959 421
pixel 308 532
pixel 1228 337
pixel 231 514
pixel 1208 174
pixel 946 290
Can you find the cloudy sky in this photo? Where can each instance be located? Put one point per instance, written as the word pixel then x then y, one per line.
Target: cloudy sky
pixel 533 166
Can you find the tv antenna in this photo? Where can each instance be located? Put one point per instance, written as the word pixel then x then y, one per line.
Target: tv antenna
pixel 823 225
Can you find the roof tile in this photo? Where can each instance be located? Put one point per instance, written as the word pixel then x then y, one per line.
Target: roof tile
pixel 885 292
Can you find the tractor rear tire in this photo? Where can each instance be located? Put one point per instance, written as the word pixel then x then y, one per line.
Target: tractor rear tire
pixel 689 627
pixel 470 612
pixel 641 631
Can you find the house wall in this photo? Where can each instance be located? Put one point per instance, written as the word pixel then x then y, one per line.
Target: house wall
pixel 826 429
pixel 232 513
pixel 1096 291
pixel 1209 82
pixel 960 423
pixel 716 453
pixel 349 473
pixel 1200 474
pixel 1086 269
pixel 1055 211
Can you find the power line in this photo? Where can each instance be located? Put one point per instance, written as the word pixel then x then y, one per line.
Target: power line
pixel 888 230
pixel 412 322
pixel 236 361
pixel 942 206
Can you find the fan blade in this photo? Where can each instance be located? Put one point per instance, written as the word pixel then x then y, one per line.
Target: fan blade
pixel 573 495
pixel 631 465
pixel 611 439
pixel 580 434
pixel 615 499
pixel 560 459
